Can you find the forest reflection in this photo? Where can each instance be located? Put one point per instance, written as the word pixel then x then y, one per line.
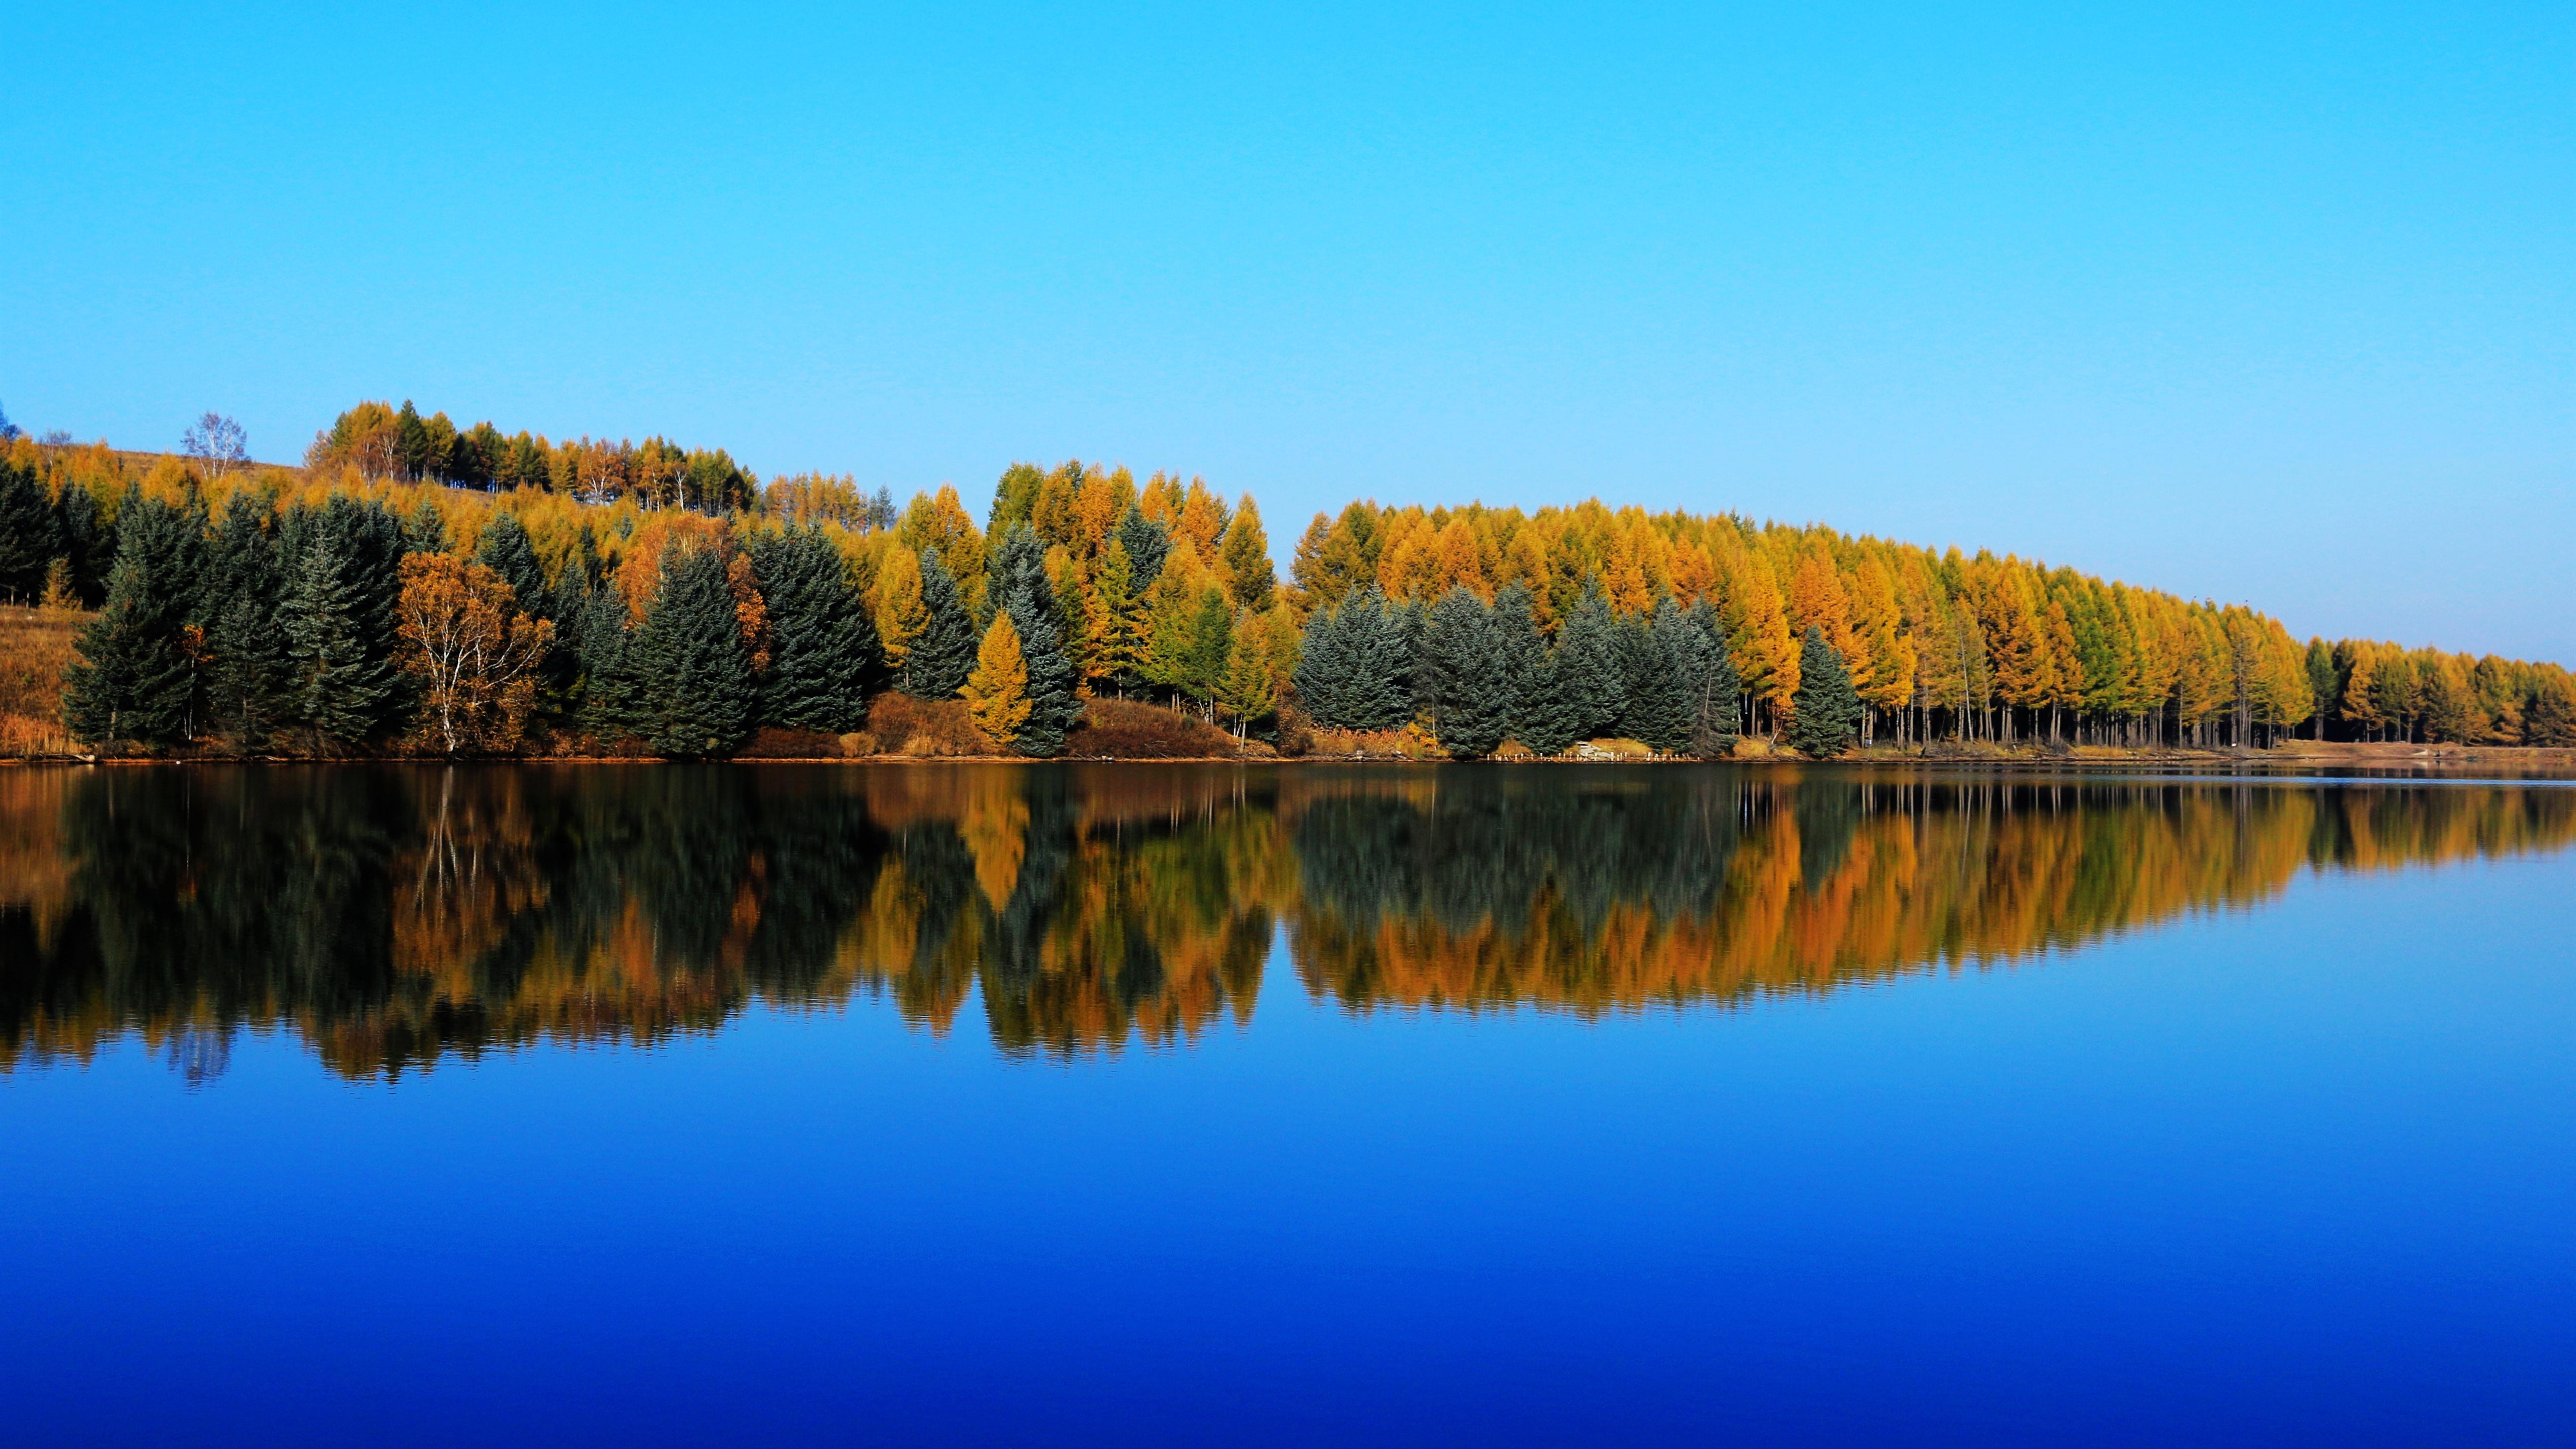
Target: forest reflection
pixel 394 916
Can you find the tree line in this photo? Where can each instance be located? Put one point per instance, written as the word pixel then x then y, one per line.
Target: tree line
pixel 337 609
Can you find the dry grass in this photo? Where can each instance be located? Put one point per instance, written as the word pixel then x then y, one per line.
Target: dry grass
pixel 1128 730
pixel 1409 743
pixel 772 743
pixel 35 644
pixel 925 729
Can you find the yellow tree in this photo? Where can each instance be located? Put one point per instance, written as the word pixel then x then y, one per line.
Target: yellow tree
pixel 1461 564
pixel 997 690
pixel 475 655
pixel 901 616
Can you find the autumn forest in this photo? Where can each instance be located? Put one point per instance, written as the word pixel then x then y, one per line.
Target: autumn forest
pixel 416 588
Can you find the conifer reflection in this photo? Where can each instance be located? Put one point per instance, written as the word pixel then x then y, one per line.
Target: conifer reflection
pixel 392 917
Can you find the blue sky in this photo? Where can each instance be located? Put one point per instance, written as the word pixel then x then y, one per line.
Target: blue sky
pixel 2272 305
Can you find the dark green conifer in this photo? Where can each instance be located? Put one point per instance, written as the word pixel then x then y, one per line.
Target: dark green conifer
pixel 1148 543
pixel 29 541
pixel 132 678
pixel 1323 669
pixel 1546 719
pixel 603 692
pixel 248 686
pixel 823 654
pixel 1825 712
pixel 505 550
pixel 1589 673
pixel 1524 653
pixel 1714 686
pixel 944 655
pixel 690 666
pixel 339 687
pixel 425 529
pixel 86 539
pixel 1470 674
pixel 1016 577
pixel 1377 691
pixel 1653 650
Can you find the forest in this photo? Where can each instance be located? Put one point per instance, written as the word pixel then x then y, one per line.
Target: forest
pixel 416 588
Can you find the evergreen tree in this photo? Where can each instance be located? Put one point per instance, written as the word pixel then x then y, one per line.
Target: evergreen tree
pixel 1323 668
pixel 87 541
pixel 1653 650
pixel 338 688
pixel 1524 653
pixel 1590 675
pixel 691 668
pixel 1470 674
pixel 425 530
pixel 1825 718
pixel 1017 579
pixel 28 540
pixel 1547 720
pixel 1410 624
pixel 505 550
pixel 823 655
pixel 248 688
pixel 1015 498
pixel 1148 543
pixel 132 678
pixel 604 690
pixel 938 662
pixel 2324 685
pixel 1713 685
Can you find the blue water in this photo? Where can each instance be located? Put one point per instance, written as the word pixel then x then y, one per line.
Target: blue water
pixel 2297 1173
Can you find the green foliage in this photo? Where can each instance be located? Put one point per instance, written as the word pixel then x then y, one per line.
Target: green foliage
pixel 1826 718
pixel 691 668
pixel 1657 655
pixel 1470 672
pixel 1017 578
pixel 823 654
pixel 1712 685
pixel 1353 671
pixel 249 687
pixel 28 541
pixel 133 679
pixel 341 686
pixel 1590 674
pixel 1148 543
pixel 945 653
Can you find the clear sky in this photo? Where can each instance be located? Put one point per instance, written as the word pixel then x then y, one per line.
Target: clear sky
pixel 2271 305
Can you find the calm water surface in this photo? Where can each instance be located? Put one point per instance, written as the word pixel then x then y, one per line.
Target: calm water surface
pixel 1138 1104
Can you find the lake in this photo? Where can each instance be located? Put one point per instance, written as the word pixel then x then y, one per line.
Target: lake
pixel 1187 1104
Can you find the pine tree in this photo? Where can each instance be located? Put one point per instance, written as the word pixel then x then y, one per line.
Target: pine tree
pixel 692 670
pixel 997 690
pixel 505 550
pixel 132 679
pixel 338 689
pixel 1653 648
pixel 1323 669
pixel 1018 579
pixel 1108 621
pixel 1524 651
pixel 1148 544
pixel 28 541
pixel 1590 675
pixel 936 664
pixel 1548 720
pixel 1712 685
pixel 425 530
pixel 823 656
pixel 1825 720
pixel 1469 668
pixel 603 694
pixel 86 540
pixel 248 686
pixel 1250 689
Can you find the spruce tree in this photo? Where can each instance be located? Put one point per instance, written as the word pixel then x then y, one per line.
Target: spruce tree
pixel 1469 669
pixel 1377 687
pixel 505 550
pixel 1524 654
pixel 1148 543
pixel 1323 668
pixel 1590 676
pixel 823 655
pixel 338 687
pixel 1017 580
pixel 691 668
pixel 1825 718
pixel 248 690
pixel 28 540
pixel 132 678
pixel 1657 655
pixel 1547 720
pixel 939 660
pixel 87 541
pixel 425 530
pixel 1410 621
pixel 603 694
pixel 1714 686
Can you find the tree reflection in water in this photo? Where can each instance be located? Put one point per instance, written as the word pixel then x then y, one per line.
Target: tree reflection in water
pixel 394 916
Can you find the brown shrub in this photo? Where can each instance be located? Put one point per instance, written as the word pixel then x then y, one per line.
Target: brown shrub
pixel 1126 729
pixel 772 743
pixel 1296 732
pixel 1409 743
pixel 926 729
pixel 35 644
